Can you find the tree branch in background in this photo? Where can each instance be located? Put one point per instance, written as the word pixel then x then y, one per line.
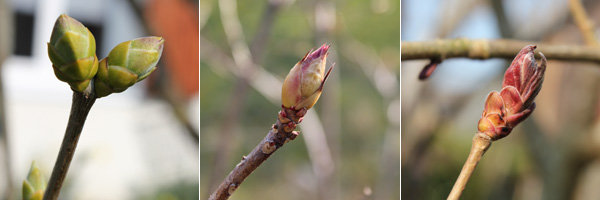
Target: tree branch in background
pixel 325 22
pixel 174 99
pixel 586 26
pixel 386 84
pixel 485 49
pixel 239 93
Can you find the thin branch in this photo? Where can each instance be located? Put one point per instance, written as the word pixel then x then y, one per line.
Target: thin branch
pixel 485 49
pixel 456 12
pixel 261 80
pixel 583 22
pixel 171 97
pixel 324 21
pixel 80 108
pixel 503 23
pixel 239 94
pixel 264 31
pixel 278 135
pixel 481 143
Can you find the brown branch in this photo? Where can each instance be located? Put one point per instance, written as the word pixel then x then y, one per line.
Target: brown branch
pixel 481 142
pixel 79 110
pixel 583 22
pixel 485 49
pixel 503 23
pixel 280 133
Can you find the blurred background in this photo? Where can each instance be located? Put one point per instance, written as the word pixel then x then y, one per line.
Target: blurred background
pixel 139 144
pixel 552 155
pixel 349 144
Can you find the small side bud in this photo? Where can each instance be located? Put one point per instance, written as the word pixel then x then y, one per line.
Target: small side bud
pixel 289 127
pixel 35 184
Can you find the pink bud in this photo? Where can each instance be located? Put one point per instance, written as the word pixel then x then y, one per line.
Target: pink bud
pixel 522 82
pixel 525 75
pixel 304 83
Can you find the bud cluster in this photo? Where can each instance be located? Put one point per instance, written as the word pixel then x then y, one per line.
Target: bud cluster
pixel 72 50
pixel 514 103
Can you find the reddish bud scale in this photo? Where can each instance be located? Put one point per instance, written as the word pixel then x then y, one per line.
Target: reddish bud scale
pixel 514 103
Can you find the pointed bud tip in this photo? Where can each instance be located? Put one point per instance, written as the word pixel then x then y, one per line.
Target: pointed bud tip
pixel 319 53
pixel 529 48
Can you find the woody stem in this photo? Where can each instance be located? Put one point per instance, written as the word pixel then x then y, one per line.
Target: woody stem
pixel 278 135
pixel 79 110
pixel 481 143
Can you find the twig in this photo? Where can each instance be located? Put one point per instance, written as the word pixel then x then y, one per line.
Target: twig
pixel 279 134
pixel 503 23
pixel 80 108
pixel 263 82
pixel 481 143
pixel 266 23
pixel 586 26
pixel 455 13
pixel 485 49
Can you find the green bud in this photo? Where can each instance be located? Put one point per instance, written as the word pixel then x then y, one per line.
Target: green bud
pixel 72 50
pixel 126 64
pixel 35 184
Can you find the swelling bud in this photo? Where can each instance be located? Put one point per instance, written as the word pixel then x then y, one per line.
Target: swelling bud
pixel 126 64
pixel 72 50
pixel 303 85
pixel 514 103
pixel 35 185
